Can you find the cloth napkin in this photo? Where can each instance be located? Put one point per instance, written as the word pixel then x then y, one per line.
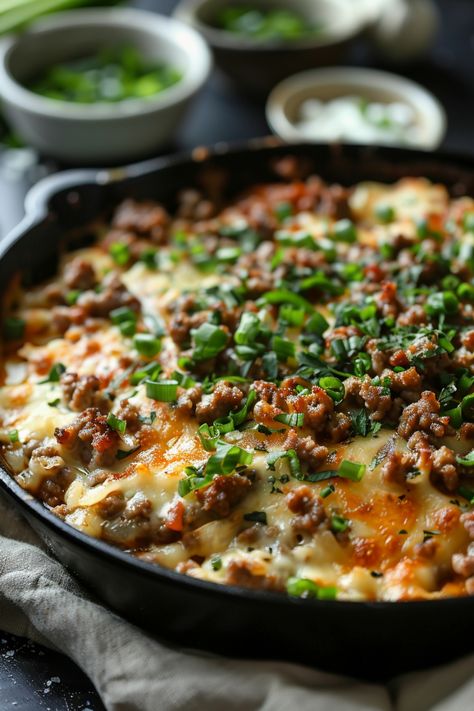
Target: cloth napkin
pixel 134 672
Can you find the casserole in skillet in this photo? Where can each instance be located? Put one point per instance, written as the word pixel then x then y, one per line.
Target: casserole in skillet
pixel 268 390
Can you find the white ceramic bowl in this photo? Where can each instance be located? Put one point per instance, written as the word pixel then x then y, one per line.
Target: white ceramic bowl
pixel 284 103
pixel 96 133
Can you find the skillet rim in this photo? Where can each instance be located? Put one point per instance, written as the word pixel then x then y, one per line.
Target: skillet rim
pixel 37 209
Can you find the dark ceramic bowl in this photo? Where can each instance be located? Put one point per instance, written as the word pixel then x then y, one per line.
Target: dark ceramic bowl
pixel 256 66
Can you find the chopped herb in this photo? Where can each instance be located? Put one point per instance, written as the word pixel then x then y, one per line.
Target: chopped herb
pixel 468 460
pixel 208 340
pixel 72 297
pixel 162 390
pixel 344 231
pixel 13 436
pixel 54 403
pixel 385 213
pixel 216 562
pixel 257 516
pixel 339 524
pixel 120 253
pixel 293 461
pixel 303 587
pixel 55 373
pixel 124 453
pixel 327 491
pixel 148 419
pixel 116 423
pixel 294 419
pixel 429 534
pixel 146 344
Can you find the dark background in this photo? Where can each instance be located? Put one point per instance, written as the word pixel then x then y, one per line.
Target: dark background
pixel 33 678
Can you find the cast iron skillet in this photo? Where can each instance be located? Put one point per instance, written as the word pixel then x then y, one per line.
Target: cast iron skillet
pixel 372 640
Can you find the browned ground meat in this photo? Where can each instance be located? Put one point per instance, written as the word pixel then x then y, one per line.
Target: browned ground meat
pixel 304 502
pixel 112 505
pixel 377 402
pixel 224 398
pixel 138 508
pixel 130 414
pixel 82 392
pixel 423 415
pixel 145 217
pixel 407 383
pixel 92 438
pixel 63 317
pixel 308 451
pixel 397 465
pixel 224 493
pixel 240 573
pixel 444 468
pixel 188 400
pixel 113 295
pixel 79 274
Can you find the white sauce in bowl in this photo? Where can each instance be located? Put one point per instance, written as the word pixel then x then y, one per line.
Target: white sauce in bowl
pixel 354 119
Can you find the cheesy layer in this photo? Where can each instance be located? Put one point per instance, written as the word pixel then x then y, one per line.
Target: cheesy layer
pixel 275 393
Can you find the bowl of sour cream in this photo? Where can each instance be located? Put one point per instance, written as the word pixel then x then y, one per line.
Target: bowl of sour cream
pixel 355 105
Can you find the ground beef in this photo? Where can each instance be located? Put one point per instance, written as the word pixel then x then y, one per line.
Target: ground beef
pixel 423 415
pixel 63 317
pixel 223 493
pixel 138 508
pixel 79 274
pixel 52 491
pixel 408 383
pixel 188 400
pixel 310 513
pixel 111 506
pixel 224 399
pixel 91 437
pixel 81 392
pixel 113 295
pixel 146 217
pixel 387 300
pixel 308 451
pixel 130 414
pixel 373 397
pixel 444 468
pixel 239 572
pixel 397 465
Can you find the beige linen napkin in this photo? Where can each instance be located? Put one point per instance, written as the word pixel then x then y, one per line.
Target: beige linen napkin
pixel 134 672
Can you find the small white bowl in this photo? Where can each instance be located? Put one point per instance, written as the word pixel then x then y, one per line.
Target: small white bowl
pixel 285 101
pixel 101 132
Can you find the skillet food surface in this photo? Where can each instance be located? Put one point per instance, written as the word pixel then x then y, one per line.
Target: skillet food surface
pixel 274 391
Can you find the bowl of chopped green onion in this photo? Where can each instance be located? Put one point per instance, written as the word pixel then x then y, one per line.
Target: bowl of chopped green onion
pixel 101 85
pixel 259 42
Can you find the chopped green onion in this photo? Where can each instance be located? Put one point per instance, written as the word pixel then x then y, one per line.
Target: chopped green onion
pixel 122 315
pixel 344 231
pixel 116 423
pixel 216 562
pixel 385 213
pixel 316 324
pixel 150 371
pixel 327 491
pixel 303 587
pixel 163 390
pixel 468 460
pixel 248 330
pixel 283 348
pixel 209 340
pixel 351 470
pixel 468 221
pixel 291 315
pixel 333 386
pixel 293 419
pixel 72 297
pixel 441 302
pixel 339 524
pixel 120 253
pixel 54 403
pixel 13 436
pixel 55 373
pixel 146 344
pixel 293 461
pixel 284 296
pixel 283 210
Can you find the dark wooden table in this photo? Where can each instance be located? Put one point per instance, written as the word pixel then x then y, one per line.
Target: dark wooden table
pixel 33 678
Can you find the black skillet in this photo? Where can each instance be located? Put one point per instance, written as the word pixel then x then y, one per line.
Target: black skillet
pixel 368 639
